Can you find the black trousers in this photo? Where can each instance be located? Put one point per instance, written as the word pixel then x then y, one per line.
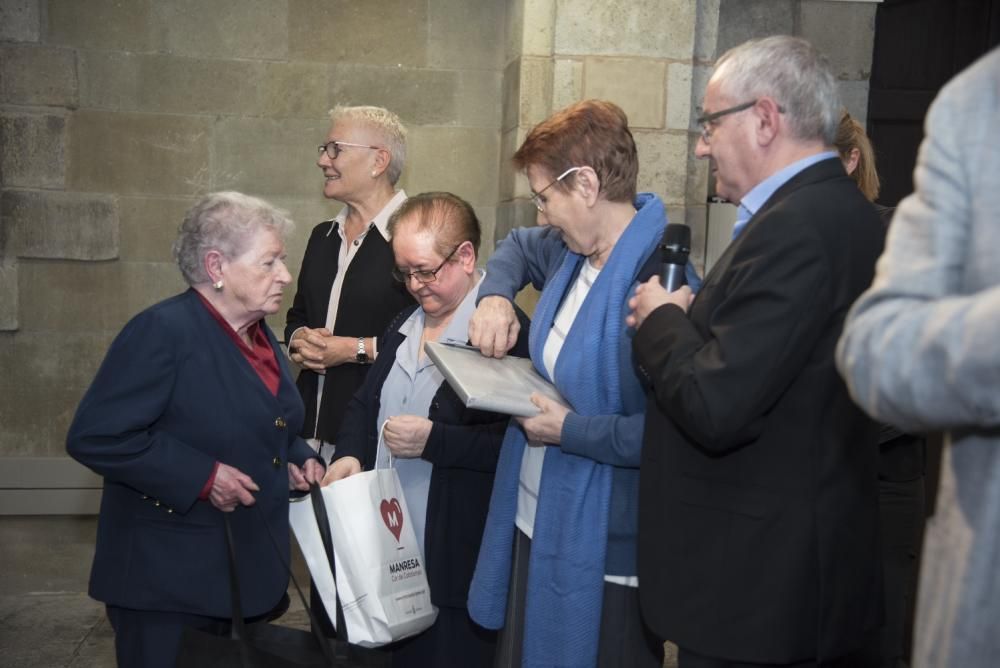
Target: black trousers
pixel 150 639
pixel 688 659
pixel 624 641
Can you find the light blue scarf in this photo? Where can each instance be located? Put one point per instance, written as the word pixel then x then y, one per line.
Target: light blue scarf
pixel 566 570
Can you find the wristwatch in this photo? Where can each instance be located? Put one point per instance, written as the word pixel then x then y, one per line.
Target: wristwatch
pixel 362 356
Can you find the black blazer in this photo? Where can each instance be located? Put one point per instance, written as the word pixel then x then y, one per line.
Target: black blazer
pixel 758 511
pixel 464 445
pixel 368 301
pixel 173 396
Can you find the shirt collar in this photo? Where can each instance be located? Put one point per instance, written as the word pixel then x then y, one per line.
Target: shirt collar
pixel 457 330
pixel 381 219
pixel 762 192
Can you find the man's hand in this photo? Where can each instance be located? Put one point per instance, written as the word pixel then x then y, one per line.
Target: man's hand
pixel 340 469
pixel 231 488
pixel 494 326
pixel 650 295
pixel 547 425
pixel 406 435
pixel 302 478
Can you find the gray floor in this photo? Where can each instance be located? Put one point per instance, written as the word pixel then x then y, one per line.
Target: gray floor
pixel 46 618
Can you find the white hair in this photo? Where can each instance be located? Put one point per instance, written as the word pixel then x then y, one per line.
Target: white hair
pixel 386 124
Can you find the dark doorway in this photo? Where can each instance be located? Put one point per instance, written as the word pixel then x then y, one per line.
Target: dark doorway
pixel 919 46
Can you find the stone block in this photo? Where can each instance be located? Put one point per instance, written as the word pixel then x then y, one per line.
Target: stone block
pixel 679 95
pixel 109 80
pixel 34 75
pixel 63 296
pixel 538 28
pixel 465 35
pixel 487 216
pixel 102 24
pixel 268 157
pixel 663 159
pixel 165 84
pixel 54 359
pixel 697 219
pixel 740 20
pixel 307 213
pixel 26 431
pixel 844 32
pixel 653 28
pixel 510 94
pixel 567 82
pixel 129 154
pixel 8 294
pixel 256 29
pixel 706 32
pixel 417 96
pixel 513 30
pixel 19 20
pixel 32 150
pixel 637 85
pixel 61 225
pixel 511 182
pixel 700 74
pixel 854 97
pixel 535 91
pixel 297 90
pixel 459 160
pixel 512 214
pixel 148 226
pixel 477 99
pixel 390 32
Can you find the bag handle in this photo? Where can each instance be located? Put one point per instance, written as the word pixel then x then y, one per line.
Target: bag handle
pixel 323 523
pixel 238 630
pixel 378 446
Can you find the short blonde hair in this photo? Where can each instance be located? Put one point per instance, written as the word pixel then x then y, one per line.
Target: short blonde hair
pixel 386 124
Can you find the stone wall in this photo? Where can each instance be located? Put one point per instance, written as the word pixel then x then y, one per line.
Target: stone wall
pixel 115 115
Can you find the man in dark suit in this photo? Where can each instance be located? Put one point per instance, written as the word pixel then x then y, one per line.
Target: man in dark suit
pixel 758 509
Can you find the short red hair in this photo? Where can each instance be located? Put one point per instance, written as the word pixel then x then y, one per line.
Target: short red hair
pixel 591 133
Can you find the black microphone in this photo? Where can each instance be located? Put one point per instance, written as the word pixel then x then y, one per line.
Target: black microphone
pixel 676 246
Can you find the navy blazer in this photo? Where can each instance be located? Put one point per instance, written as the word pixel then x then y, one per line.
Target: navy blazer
pixel 173 396
pixel 464 445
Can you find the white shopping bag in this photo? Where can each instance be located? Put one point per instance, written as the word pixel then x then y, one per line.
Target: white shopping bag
pixel 381 577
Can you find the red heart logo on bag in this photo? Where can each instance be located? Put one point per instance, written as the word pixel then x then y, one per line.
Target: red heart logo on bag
pixel 392 515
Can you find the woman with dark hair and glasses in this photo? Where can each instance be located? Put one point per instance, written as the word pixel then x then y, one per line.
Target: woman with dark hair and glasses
pixel 445 453
pixel 346 295
pixel 557 570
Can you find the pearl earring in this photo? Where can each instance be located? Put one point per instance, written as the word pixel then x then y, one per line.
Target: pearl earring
pixel 218 284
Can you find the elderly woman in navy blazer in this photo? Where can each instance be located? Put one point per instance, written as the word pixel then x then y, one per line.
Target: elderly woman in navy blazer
pixel 194 414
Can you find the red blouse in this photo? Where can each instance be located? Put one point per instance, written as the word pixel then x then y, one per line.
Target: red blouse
pixel 261 357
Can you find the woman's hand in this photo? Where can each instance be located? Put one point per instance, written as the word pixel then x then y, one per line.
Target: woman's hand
pixel 340 469
pixel 547 425
pixel 406 435
pixel 307 348
pixel 494 326
pixel 230 488
pixel 301 478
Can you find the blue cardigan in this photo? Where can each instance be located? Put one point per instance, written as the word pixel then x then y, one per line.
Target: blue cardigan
pixel 173 396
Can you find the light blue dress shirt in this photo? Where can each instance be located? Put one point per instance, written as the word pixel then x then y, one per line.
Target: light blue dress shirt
pixel 762 192
pixel 408 390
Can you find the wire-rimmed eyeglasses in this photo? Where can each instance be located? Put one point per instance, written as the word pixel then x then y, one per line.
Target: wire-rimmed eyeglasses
pixel 540 201
pixel 333 148
pixel 425 276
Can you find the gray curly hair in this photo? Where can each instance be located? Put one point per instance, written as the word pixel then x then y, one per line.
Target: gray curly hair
pixel 226 222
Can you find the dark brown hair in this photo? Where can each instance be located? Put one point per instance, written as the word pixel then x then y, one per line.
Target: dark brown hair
pixel 591 133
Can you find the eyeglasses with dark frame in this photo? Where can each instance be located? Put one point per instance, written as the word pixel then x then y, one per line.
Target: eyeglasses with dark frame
pixel 706 122
pixel 425 276
pixel 333 148
pixel 537 198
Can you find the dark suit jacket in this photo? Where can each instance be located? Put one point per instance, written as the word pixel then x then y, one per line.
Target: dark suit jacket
pixel 368 301
pixel 173 396
pixel 758 513
pixel 464 445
